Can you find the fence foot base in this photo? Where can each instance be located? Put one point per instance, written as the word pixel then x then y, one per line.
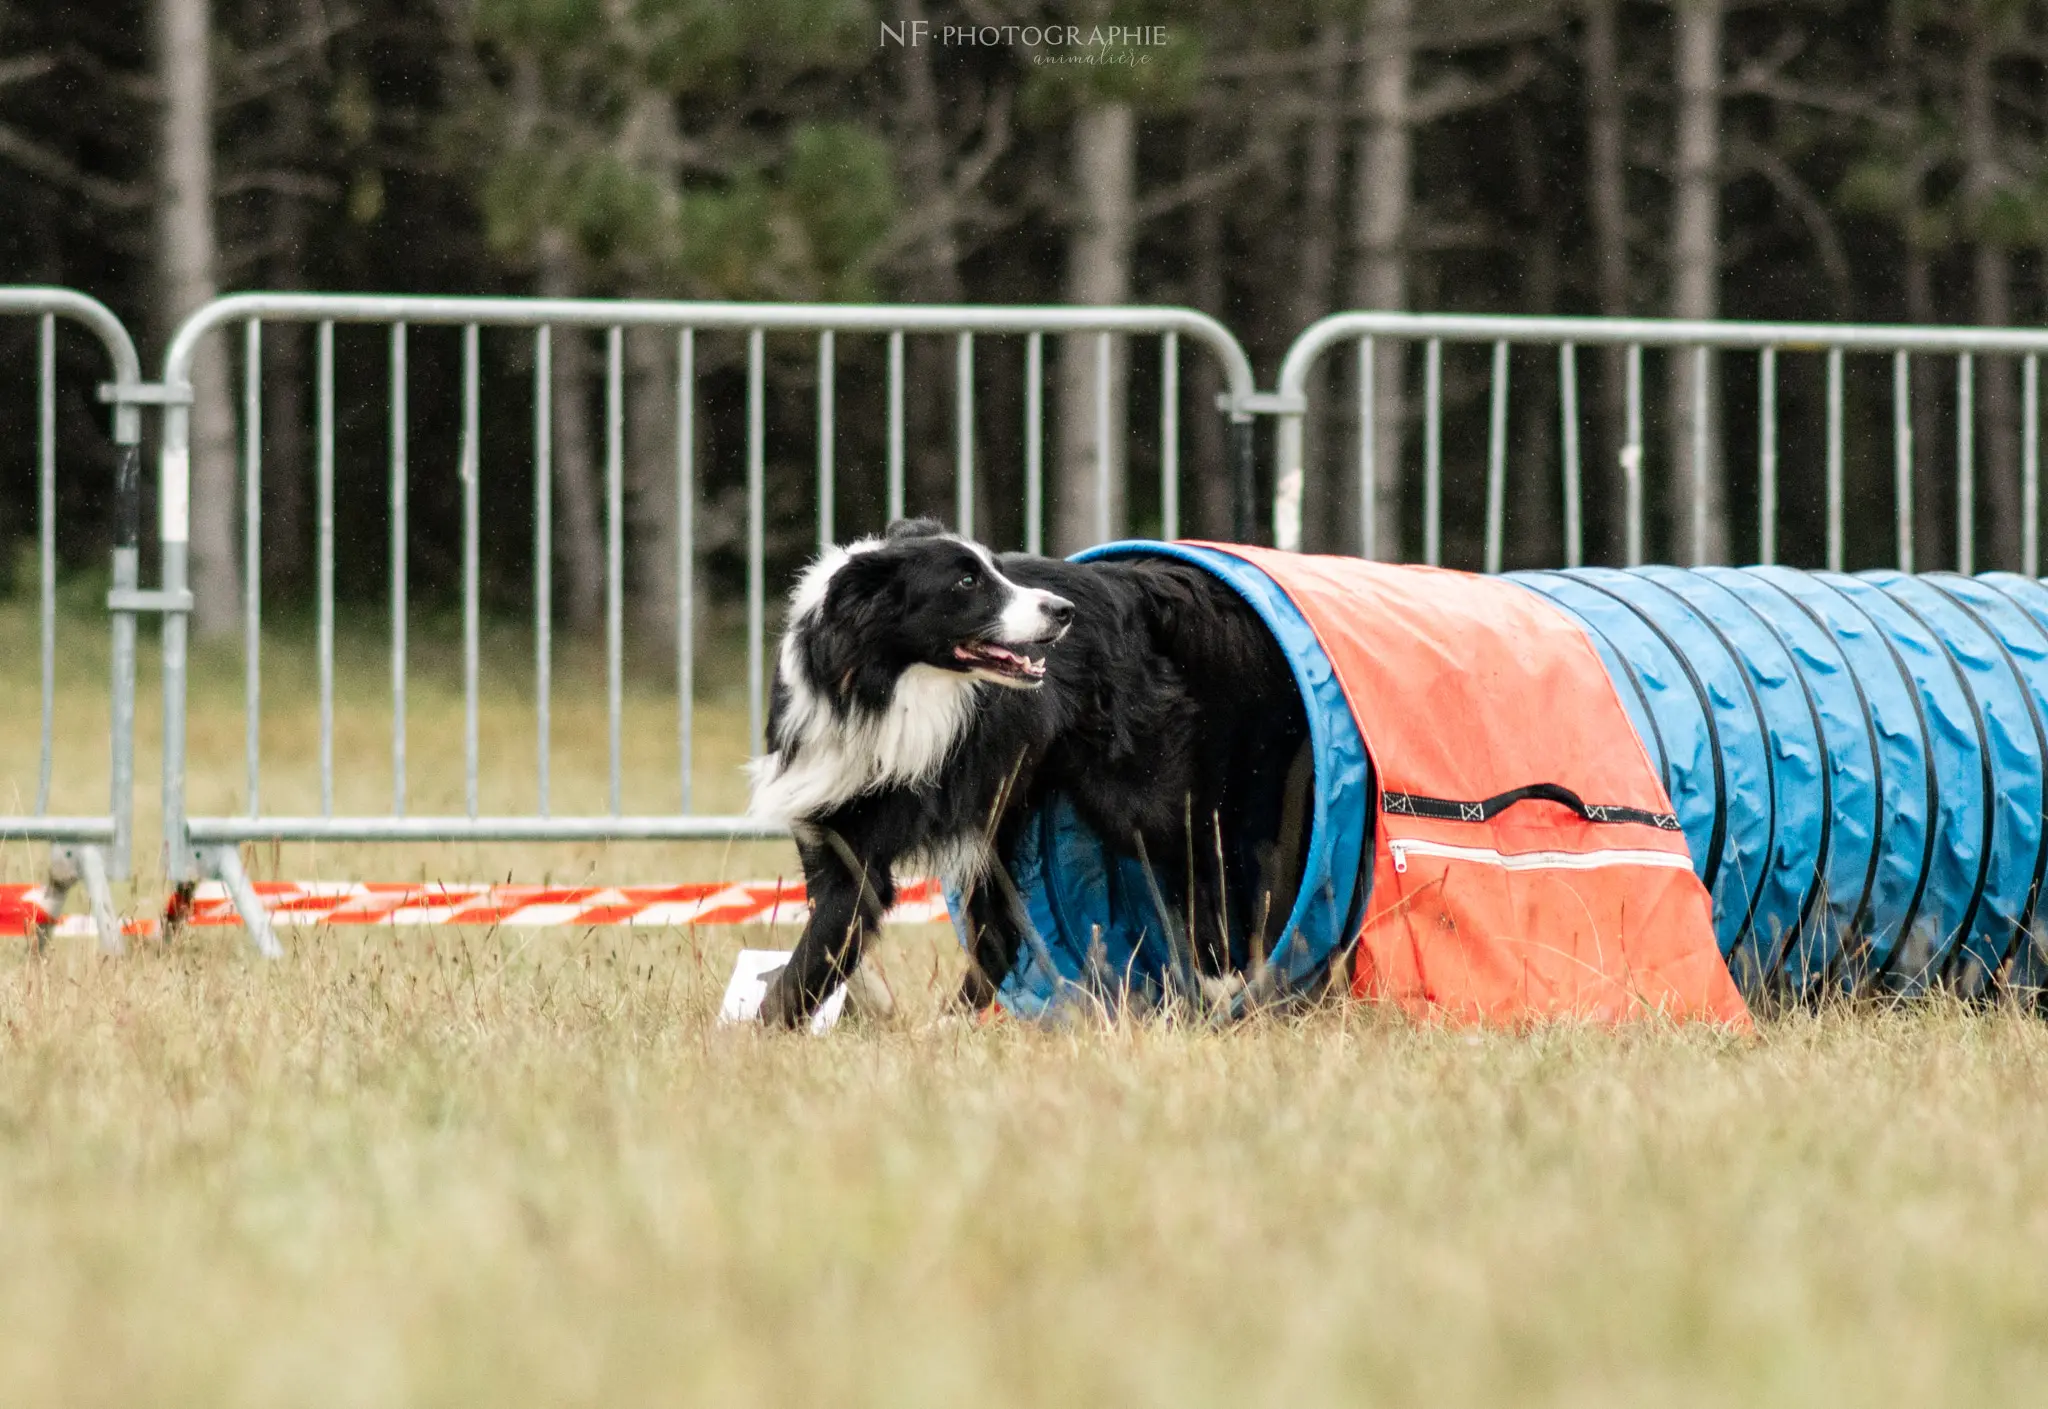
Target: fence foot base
pixel 68 866
pixel 63 876
pixel 226 863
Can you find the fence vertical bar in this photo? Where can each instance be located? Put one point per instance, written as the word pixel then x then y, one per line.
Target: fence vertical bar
pixel 1834 460
pixel 1368 452
pixel 1902 457
pixel 1034 443
pixel 127 536
pixel 1767 456
pixel 757 494
pixel 46 546
pixel 1169 436
pixel 827 490
pixel 1432 452
pixel 325 513
pixel 543 564
pixel 400 589
pixel 895 470
pixel 1632 457
pixel 174 529
pixel 1497 462
pixel 614 562
pixel 471 473
pixel 1104 453
pixel 1701 360
pixel 1574 494
pixel 2030 466
pixel 1966 464
pixel 252 564
pixel 686 553
pixel 963 434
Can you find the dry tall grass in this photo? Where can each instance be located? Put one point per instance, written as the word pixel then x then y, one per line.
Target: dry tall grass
pixel 509 1168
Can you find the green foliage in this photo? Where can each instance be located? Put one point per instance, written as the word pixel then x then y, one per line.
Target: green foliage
pixel 592 138
pixel 840 189
pixel 540 24
pixel 1913 167
pixel 690 47
pixel 609 208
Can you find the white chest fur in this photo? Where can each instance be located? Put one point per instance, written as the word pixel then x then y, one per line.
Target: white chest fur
pixel 837 758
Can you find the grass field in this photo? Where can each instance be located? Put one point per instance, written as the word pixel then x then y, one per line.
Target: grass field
pixel 506 1168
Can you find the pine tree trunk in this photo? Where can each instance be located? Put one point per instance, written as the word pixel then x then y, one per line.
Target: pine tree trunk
pixel 285 433
pixel 654 142
pixel 1204 474
pixel 284 387
pixel 579 542
pixel 651 482
pixel 1607 202
pixel 286 542
pixel 1702 532
pixel 1381 198
pixel 1098 274
pixel 1998 418
pixel 933 277
pixel 1330 494
pixel 1930 505
pixel 1534 529
pixel 187 277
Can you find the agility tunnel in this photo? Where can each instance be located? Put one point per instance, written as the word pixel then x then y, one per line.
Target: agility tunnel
pixel 1601 792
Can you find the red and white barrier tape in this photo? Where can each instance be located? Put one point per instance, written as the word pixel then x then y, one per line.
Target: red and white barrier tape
pixel 918 902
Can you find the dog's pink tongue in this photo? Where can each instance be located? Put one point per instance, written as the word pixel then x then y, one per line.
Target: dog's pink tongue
pixel 990 654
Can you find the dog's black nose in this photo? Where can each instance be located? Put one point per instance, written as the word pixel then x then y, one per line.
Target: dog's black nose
pixel 1060 611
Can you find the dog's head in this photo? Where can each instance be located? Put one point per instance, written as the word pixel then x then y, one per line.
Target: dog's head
pixel 920 596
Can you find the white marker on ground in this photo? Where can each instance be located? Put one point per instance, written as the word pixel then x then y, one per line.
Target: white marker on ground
pixel 748 987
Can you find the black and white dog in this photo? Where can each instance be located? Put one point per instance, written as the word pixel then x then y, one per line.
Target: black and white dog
pixel 929 694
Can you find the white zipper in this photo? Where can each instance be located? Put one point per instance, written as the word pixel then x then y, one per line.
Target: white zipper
pixel 1536 860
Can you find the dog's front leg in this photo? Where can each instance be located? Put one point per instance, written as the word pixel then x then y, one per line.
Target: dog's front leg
pixel 848 896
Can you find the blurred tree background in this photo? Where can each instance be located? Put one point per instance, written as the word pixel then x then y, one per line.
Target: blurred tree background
pixel 1866 160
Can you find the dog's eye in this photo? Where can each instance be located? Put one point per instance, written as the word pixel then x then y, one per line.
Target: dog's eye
pixel 967 583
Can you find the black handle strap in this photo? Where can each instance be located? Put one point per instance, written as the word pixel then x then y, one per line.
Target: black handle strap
pixel 1450 810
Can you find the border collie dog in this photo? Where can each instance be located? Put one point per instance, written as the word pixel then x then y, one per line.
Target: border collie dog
pixel 928 695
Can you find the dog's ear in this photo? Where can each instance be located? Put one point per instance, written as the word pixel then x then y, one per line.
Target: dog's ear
pixel 914 528
pixel 865 585
pixel 864 595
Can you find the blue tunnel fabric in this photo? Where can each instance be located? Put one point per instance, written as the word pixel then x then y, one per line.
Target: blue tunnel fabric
pixel 1859 765
pixel 1857 762
pixel 1091 920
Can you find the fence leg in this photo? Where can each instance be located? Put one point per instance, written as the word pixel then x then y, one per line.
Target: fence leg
pixel 68 866
pixel 106 921
pixel 227 864
pixel 63 876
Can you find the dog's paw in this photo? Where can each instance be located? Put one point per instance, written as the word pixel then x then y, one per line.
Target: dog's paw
pixel 781 1008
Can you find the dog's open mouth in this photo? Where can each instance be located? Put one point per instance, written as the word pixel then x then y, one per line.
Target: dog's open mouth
pixel 1001 660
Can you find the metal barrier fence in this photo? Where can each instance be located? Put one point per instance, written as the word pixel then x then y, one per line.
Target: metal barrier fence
pixel 94 848
pixel 196 843
pixel 97 847
pixel 1367 332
